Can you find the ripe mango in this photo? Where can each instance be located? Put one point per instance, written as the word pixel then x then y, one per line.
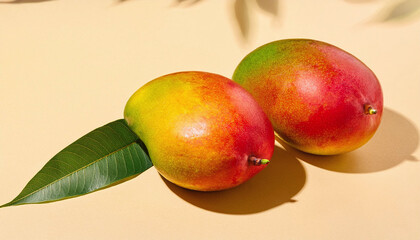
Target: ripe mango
pixel 203 131
pixel 319 98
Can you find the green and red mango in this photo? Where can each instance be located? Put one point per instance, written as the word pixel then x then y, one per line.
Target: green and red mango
pixel 319 98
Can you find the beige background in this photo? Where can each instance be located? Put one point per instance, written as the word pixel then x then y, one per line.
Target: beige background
pixel 67 67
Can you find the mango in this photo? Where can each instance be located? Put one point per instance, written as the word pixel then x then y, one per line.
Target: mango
pixel 203 131
pixel 319 98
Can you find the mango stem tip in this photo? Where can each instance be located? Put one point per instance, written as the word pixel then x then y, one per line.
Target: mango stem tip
pixel 258 161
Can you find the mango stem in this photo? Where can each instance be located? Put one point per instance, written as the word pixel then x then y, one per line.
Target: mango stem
pixel 370 110
pixel 258 161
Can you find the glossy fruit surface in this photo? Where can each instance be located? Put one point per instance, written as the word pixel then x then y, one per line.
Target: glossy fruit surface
pixel 319 98
pixel 203 131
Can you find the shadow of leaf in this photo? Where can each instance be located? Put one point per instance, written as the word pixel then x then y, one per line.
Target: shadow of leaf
pixel 187 2
pixel 402 10
pixel 282 179
pixel 26 1
pixel 242 17
pixel 360 1
pixel 394 142
pixel 269 6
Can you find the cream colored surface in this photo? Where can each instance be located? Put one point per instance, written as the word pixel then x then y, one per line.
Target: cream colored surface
pixel 67 67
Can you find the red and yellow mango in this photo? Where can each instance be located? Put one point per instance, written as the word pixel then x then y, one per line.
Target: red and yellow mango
pixel 203 131
pixel 319 98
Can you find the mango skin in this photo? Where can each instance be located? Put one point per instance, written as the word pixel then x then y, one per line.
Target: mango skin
pixel 314 93
pixel 200 128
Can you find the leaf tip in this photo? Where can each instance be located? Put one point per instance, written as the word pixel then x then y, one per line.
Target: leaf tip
pixel 5 205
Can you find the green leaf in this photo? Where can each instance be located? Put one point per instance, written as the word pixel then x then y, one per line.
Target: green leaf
pixel 102 158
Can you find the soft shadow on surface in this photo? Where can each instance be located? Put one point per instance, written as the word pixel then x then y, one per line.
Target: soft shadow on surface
pixel 394 10
pixel 175 2
pixel 244 12
pixel 360 1
pixel 25 1
pixel 188 2
pixel 400 11
pixel 394 142
pixel 282 179
pixel 241 11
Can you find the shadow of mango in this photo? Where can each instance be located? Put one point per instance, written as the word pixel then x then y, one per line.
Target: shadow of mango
pixel 395 141
pixel 282 179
